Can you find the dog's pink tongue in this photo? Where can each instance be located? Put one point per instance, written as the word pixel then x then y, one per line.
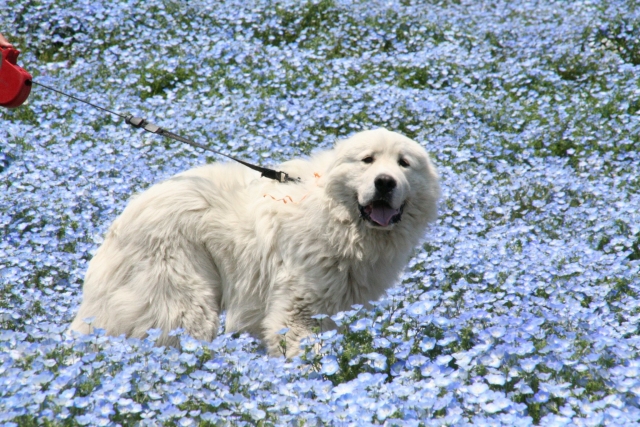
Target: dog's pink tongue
pixel 382 214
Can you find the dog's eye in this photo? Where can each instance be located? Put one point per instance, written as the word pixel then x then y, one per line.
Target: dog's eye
pixel 403 163
pixel 368 159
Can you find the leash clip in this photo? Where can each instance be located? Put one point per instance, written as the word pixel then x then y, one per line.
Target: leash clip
pixel 279 176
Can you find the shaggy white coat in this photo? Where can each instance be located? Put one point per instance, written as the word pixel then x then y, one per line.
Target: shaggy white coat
pixel 272 255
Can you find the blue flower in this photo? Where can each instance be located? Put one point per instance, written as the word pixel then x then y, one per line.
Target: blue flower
pixel 81 402
pixel 104 409
pixel 381 343
pixel 84 420
pixel 541 397
pixel 185 422
pixel 329 365
pixel 478 388
pixel 384 411
pixel 177 398
pixel 427 344
pixel 419 308
pixel 377 361
pixel 153 334
pixel 528 365
pixel 169 377
pixel 361 325
pixel 257 414
pixel 496 379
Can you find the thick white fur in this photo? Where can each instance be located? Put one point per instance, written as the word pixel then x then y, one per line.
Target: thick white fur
pixel 272 255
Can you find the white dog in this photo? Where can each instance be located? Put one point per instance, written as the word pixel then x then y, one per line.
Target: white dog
pixel 271 254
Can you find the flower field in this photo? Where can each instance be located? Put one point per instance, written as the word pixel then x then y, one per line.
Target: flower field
pixel 521 308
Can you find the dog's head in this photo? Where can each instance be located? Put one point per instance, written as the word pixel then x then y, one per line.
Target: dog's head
pixel 381 176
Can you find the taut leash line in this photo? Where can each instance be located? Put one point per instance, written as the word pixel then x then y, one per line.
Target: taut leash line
pixel 78 99
pixel 139 122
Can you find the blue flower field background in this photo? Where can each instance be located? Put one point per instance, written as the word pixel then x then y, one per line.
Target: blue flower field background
pixel 521 308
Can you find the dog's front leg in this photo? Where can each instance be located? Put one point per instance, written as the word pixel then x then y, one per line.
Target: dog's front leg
pixel 288 320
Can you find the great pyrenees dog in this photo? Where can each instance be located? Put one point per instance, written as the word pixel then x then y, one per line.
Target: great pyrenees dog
pixel 271 254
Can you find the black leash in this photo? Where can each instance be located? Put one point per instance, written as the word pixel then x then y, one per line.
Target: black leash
pixel 139 122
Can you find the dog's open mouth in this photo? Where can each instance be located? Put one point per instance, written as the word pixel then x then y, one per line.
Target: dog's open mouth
pixel 380 213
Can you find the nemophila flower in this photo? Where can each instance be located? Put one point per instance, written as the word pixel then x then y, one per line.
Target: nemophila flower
pixel 478 389
pixel 81 402
pixel 416 361
pixel 188 358
pixel 384 411
pixel 496 379
pixel 427 344
pixel 328 335
pixel 420 308
pixel 169 377
pixel 398 368
pixel 361 325
pixel 257 414
pixel 541 397
pixel 377 361
pixel 329 365
pixel 185 422
pixel 104 409
pixel 84 420
pixel 128 406
pixel 528 365
pixel 381 343
pixel 496 405
pixel 170 412
pixel 443 360
pixel 123 387
pixel 153 334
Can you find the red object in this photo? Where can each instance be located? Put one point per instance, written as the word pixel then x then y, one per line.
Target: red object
pixel 15 82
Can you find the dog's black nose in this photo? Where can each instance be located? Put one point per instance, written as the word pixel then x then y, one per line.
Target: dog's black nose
pixel 384 183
